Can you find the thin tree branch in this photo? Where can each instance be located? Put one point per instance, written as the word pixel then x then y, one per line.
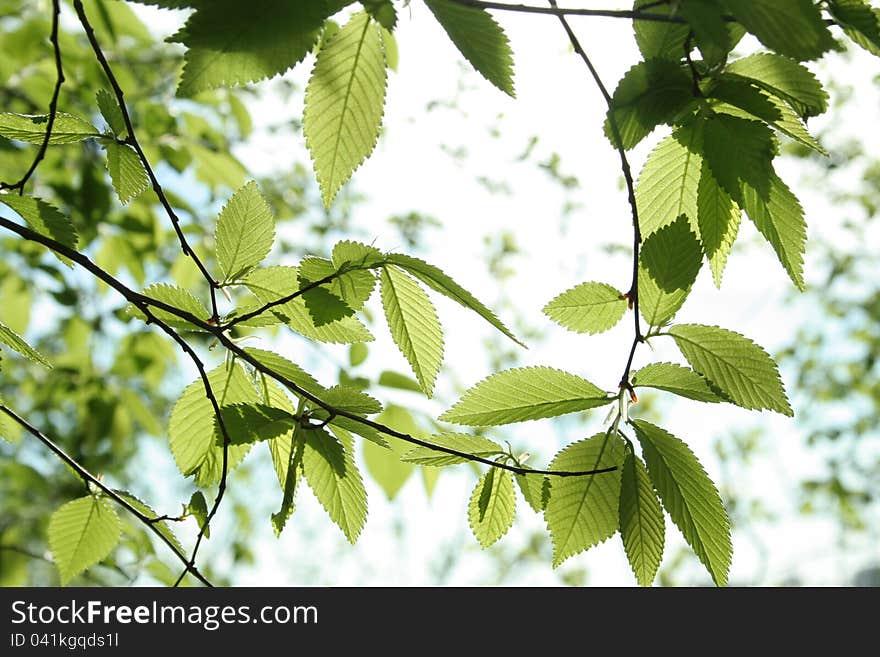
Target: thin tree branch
pixel 633 294
pixel 92 480
pixel 132 140
pixel 53 104
pixel 639 14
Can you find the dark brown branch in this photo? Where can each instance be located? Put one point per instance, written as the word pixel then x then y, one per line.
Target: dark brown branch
pixel 91 480
pixel 562 12
pixel 53 105
pixel 633 294
pixel 132 140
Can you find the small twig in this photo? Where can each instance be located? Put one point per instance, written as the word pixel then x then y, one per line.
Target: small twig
pixel 639 14
pixel 91 480
pixel 53 105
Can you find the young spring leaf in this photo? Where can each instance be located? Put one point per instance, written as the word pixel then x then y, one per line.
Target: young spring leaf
pixel 177 297
pixel 250 423
pixel 779 217
pixel 14 341
pixel 652 92
pixel 385 465
pixel 642 527
pixel 191 426
pixel 479 39
pixel 45 219
pixel 112 113
pixel 711 33
pixel 492 506
pixel 718 219
pixel 272 283
pixel 674 257
pixel 738 151
pixel 526 393
pixel 535 489
pixel 345 101
pixel 676 379
pixel 790 27
pixel 351 400
pixel 582 511
pixel 463 442
pixel 323 305
pixel 82 533
pixel 126 170
pixel 784 78
pixel 353 286
pixel 286 368
pixel 331 473
pixel 587 308
pixel 667 186
pixel 161 525
pixel 31 128
pixel 231 42
pixel 245 232
pixel 438 281
pixel 860 21
pixel 280 446
pixel 689 496
pixel 659 38
pixel 734 364
pixel 198 509
pixel 739 95
pixel 414 325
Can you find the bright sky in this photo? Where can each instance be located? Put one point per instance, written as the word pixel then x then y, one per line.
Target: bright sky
pixel 405 543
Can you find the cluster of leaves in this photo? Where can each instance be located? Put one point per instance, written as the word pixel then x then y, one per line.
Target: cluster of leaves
pixel 727 115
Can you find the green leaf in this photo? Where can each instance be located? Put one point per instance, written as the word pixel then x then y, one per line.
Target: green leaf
pixel 739 93
pixel 790 27
pixel 479 39
pixel 527 393
pixel 738 151
pixel 271 283
pixel 587 308
pixel 231 42
pixel 351 400
pixel 161 525
pixel 718 219
pixel 674 255
pixel 667 186
pixel 31 128
pixel 198 509
pixel 250 423
pixel 652 92
pixel 289 370
pixel 323 305
pixel 535 490
pixel 286 451
pixel 82 533
pixel 463 442
pixel 177 297
pixel 658 38
pixel 734 364
pixel 279 446
pixel 711 33
pixel 642 527
pixel 414 325
pixel 345 100
pixel 784 78
pixel 355 254
pixel 332 475
pixel 354 285
pixel 13 340
pixel 382 11
pixel 45 219
pixel 126 170
pixel 357 354
pixel 112 113
pixel 582 511
pixel 397 380
pixel 780 218
pixel 385 464
pixel 438 281
pixel 677 380
pixel 860 21
pixel 245 232
pixel 492 506
pixel 689 496
pixel 191 425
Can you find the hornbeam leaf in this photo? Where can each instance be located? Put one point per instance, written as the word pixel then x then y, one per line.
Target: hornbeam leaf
pixel 677 380
pixel 535 489
pixel 14 341
pixel 126 170
pixel 250 423
pixel 492 506
pixel 330 471
pixel 112 113
pixel 669 265
pixel 860 21
pixel 642 527
pixel 438 281
pixel 82 533
pixel 718 219
pixel 689 496
pixel 161 525
pixel 286 368
pixel 414 325
pixel 734 364
pixel 31 128
pixel 244 233
pixel 230 42
pixel 790 27
pixel 784 78
pixel 738 151
pixel 479 39
pixel 527 393
pixel 45 219
pixel 345 101
pixel 583 511
pixel 659 38
pixel 476 445
pixel 177 297
pixel 587 308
